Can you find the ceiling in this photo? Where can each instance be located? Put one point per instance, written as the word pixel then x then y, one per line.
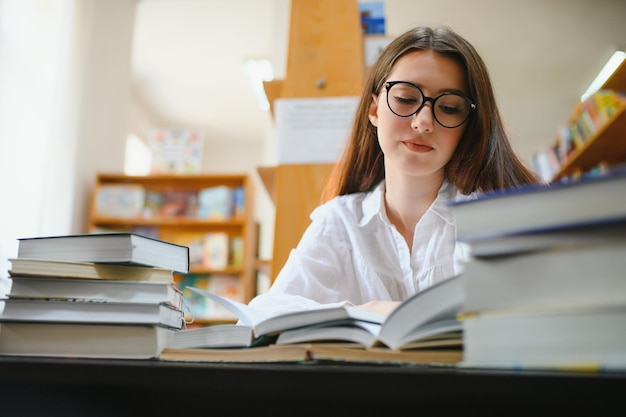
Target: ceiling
pixel 188 63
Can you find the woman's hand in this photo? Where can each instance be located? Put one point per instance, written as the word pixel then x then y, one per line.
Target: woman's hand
pixel 381 307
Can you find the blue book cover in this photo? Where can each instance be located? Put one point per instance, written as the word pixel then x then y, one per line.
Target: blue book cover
pixel 591 199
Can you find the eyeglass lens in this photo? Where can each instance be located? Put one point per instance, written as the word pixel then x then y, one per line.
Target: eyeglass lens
pixel 449 109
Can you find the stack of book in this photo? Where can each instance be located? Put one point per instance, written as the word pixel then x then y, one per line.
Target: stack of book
pixel 546 287
pixel 94 295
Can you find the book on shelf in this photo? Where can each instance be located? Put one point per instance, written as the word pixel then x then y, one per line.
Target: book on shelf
pixel 112 248
pixel 608 102
pixel 215 250
pixel 87 270
pixel 207 249
pixel 589 119
pixel 178 203
pixel 194 240
pixel 86 311
pixel 428 315
pixel 124 201
pixel 580 339
pixel 239 201
pixel 216 203
pixel 152 204
pixel 593 111
pixel 146 231
pixel 236 252
pixel 100 290
pixel 314 353
pixel 541 207
pixel 83 340
pixel 546 162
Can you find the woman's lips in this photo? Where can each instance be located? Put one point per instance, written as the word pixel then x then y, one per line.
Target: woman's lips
pixel 418 147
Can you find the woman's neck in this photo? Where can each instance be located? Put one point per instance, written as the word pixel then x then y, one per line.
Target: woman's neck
pixel 407 199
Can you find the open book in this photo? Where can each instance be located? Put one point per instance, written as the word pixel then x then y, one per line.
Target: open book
pixel 425 319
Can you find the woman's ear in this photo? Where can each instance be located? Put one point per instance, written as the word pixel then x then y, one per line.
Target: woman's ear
pixel 373 111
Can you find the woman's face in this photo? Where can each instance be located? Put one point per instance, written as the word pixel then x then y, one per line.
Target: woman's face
pixel 418 145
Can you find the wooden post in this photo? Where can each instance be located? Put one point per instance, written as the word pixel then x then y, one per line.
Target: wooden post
pixel 325 59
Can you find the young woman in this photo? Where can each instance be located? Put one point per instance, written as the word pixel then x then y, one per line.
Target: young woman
pixel 427 131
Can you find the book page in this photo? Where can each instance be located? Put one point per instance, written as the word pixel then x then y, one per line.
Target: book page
pixel 248 315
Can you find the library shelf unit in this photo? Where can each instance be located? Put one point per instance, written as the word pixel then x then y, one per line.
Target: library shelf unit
pixel 169 207
pixel 608 144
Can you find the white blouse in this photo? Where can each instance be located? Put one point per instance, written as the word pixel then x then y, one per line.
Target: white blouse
pixel 351 254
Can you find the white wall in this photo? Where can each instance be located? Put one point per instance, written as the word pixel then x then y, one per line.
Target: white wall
pixel 74 121
pixel 104 110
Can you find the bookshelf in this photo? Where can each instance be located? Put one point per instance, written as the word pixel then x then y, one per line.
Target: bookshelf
pixel 607 144
pixel 217 225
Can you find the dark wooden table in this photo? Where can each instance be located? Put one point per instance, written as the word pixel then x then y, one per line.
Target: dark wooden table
pixel 86 387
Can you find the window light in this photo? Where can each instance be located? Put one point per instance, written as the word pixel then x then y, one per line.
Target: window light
pixel 609 68
pixel 259 70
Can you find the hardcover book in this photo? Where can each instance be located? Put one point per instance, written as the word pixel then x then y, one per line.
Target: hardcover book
pixel 98 291
pixel 87 270
pixel 588 200
pixel 87 311
pixel 569 275
pixel 591 339
pixel 83 340
pixel 561 237
pixel 111 248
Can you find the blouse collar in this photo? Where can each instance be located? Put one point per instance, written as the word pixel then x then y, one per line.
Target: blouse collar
pixel 374 204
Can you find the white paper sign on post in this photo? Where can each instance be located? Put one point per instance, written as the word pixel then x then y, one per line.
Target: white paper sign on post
pixel 313 130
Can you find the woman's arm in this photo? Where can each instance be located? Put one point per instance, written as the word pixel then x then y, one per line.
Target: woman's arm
pixel 382 307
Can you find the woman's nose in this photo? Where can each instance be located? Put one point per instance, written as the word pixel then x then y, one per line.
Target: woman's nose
pixel 424 118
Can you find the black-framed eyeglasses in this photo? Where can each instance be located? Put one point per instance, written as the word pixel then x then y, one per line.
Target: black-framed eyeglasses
pixel 449 109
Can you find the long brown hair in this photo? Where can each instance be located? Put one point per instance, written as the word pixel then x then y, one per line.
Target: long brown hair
pixel 484 159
